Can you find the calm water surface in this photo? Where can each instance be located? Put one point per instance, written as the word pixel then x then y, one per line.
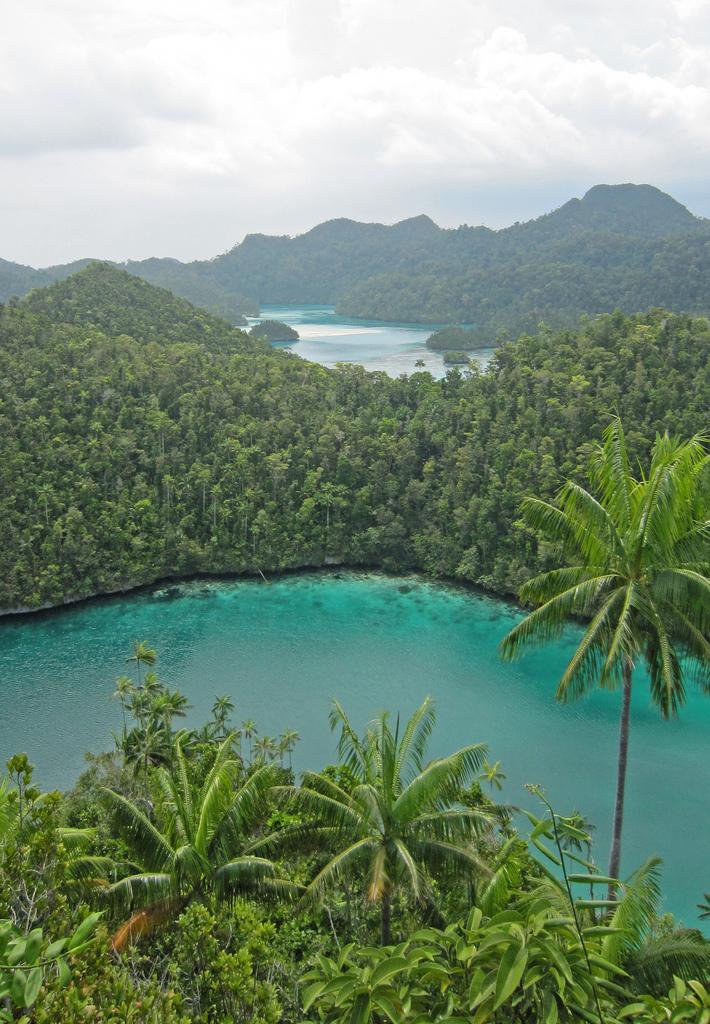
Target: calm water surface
pixel 377 345
pixel 284 650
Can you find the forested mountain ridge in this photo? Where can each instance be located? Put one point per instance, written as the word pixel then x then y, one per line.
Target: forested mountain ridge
pixel 129 455
pixel 630 247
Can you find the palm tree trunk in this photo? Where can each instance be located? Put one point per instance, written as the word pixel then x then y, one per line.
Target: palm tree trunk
pixel 386 920
pixel 615 855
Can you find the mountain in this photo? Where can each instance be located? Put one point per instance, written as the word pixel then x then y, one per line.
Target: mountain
pixel 626 246
pixel 639 210
pixel 118 303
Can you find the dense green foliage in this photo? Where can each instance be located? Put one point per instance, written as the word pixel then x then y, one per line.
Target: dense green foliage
pixel 274 330
pixel 125 459
pixel 461 339
pixel 515 935
pixel 625 246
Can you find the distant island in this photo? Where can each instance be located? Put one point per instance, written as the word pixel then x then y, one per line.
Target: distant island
pixel 455 339
pixel 274 331
pixel 627 247
pixel 456 359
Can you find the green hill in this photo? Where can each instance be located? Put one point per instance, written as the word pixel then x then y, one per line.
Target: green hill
pixel 118 303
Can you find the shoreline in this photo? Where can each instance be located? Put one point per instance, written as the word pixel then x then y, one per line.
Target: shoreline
pixel 46 610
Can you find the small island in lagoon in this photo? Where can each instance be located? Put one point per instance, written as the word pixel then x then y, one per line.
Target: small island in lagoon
pixel 456 339
pixel 456 359
pixel 275 332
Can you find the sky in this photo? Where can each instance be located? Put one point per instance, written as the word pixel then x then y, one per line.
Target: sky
pixel 131 128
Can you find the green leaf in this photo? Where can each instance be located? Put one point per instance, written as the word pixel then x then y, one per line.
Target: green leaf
pixel 64 972
pixel 84 930
pixel 17 987
pixel 385 970
pixel 311 994
pixel 54 949
pixel 510 971
pixel 360 1012
pixel 33 985
pixel 593 879
pixel 550 1013
pixel 386 1006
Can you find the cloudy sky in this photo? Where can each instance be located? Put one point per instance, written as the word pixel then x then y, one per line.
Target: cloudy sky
pixel 131 128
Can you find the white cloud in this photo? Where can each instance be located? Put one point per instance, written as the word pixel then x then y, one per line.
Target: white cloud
pixel 155 126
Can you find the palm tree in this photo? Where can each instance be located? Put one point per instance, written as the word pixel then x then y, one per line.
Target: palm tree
pixel 221 710
pixel 167 705
pixel 493 774
pixel 266 749
pixel 637 560
pixel 199 846
pixel 142 655
pixel 402 821
pixel 249 731
pixel 288 742
pixel 122 693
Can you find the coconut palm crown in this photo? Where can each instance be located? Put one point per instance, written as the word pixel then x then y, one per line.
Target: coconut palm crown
pixel 400 822
pixel 199 844
pixel 638 556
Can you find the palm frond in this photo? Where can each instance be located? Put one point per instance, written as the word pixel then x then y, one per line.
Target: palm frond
pixel 635 912
pixel 351 750
pixel 214 803
pixel 145 922
pixel 410 866
pixel 378 879
pixel 414 739
pixel 681 954
pixel 151 845
pixel 596 536
pixel 444 858
pixel 440 781
pixel 611 475
pixel 335 868
pixel 548 621
pixel 247 807
pixel 141 889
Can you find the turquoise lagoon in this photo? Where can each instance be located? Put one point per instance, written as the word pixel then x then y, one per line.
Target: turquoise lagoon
pixel 375 344
pixel 284 650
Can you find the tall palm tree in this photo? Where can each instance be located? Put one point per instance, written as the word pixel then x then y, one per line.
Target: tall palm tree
pixel 200 844
pixel 221 710
pixel 266 749
pixel 122 693
pixel 637 560
pixel 142 655
pixel 249 731
pixel 402 821
pixel 288 742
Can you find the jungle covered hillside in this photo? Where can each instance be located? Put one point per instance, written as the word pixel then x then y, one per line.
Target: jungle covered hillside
pixel 141 438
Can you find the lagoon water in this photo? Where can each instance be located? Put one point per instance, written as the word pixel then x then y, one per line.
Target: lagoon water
pixel 284 650
pixel 377 345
